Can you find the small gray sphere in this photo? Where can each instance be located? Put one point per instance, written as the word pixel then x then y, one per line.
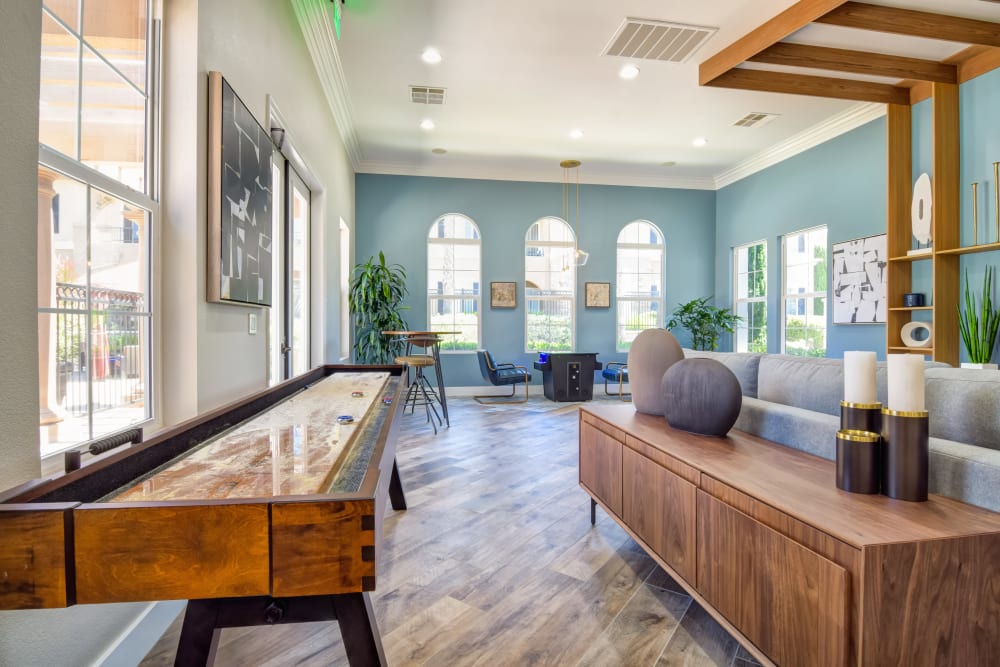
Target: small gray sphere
pixel 701 396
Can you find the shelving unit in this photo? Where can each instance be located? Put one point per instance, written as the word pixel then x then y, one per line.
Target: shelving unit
pixel 982 247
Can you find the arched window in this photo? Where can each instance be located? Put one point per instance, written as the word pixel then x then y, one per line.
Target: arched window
pixel 640 282
pixel 549 286
pixel 454 265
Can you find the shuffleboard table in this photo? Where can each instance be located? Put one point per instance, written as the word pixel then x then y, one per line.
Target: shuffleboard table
pixel 268 510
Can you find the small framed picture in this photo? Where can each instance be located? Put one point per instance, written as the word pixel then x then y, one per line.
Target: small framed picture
pixel 503 295
pixel 597 295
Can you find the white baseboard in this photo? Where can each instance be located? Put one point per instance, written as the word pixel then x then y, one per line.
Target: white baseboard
pixel 534 389
pixel 139 638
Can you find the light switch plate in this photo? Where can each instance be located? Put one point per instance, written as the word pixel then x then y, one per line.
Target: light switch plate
pixel 253 324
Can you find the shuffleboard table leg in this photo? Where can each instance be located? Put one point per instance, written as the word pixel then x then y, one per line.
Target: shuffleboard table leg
pixel 593 512
pixel 358 629
pixel 199 634
pixel 396 496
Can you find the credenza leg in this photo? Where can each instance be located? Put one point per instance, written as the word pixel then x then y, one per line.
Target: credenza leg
pixel 199 634
pixel 358 629
pixel 396 496
pixel 593 512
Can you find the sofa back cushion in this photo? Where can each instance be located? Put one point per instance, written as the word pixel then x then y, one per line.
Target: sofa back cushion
pixel 802 382
pixel 964 405
pixel 744 366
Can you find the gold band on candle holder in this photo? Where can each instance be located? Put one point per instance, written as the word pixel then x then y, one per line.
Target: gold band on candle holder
pixel 853 435
pixel 904 413
pixel 861 406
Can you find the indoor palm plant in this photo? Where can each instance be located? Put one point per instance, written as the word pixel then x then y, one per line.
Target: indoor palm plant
pixel 978 325
pixel 705 323
pixel 376 297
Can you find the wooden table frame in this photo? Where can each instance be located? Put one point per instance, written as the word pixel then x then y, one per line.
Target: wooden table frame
pixel 250 561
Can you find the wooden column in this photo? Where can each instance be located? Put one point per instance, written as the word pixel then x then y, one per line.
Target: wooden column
pixel 899 151
pixel 945 222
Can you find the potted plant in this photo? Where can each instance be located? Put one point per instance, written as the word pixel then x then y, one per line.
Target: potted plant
pixel 978 325
pixel 376 296
pixel 705 323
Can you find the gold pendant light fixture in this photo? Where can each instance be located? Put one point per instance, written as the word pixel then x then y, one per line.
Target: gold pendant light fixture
pixel 580 257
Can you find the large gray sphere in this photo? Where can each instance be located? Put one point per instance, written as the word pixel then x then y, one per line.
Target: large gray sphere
pixel 701 396
pixel 653 351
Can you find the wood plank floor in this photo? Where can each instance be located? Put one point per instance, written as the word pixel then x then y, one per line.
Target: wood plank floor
pixel 495 563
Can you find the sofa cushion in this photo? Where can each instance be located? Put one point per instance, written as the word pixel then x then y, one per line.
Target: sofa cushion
pixel 965 472
pixel 963 405
pixel 744 366
pixel 810 431
pixel 802 382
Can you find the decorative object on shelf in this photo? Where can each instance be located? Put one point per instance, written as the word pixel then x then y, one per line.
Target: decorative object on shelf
pixel 239 200
pixel 904 430
pixel 859 280
pixel 701 396
pixel 921 212
pixel 978 324
pixel 579 256
pixel 914 300
pixel 597 295
pixel 858 454
pixel 704 322
pixel 860 409
pixel 653 351
pixel 375 298
pixel 503 295
pixel 975 213
pixel 916 334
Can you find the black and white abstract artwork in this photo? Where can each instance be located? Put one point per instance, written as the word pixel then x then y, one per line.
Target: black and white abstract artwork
pixel 859 281
pixel 245 233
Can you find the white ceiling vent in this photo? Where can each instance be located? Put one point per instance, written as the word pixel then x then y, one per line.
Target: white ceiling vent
pixel 646 39
pixel 426 95
pixel 756 119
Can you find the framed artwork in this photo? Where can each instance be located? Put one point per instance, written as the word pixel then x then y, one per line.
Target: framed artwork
pixel 503 295
pixel 240 198
pixel 859 271
pixel 597 295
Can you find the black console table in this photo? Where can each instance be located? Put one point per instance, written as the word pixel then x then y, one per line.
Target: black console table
pixel 569 376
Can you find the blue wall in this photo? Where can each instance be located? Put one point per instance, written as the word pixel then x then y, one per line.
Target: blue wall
pixel 840 184
pixel 394 215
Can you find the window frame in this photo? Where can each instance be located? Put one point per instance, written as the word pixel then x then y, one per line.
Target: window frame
pixel 802 295
pixel 736 289
pixel 661 300
pixel 570 244
pixel 478 298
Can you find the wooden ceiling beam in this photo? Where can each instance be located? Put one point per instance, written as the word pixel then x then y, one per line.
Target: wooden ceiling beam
pixel 856 62
pixel 914 23
pixel 797 16
pixel 815 86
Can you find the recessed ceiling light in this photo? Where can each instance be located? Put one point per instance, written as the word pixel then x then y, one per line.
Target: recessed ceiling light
pixel 426 124
pixel 698 142
pixel 628 71
pixel 431 56
pixel 438 151
pixel 669 163
pixel 576 133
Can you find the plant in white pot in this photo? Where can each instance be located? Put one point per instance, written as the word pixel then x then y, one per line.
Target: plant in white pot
pixel 978 325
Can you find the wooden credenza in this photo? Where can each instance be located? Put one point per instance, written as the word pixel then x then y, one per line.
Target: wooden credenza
pixel 802 572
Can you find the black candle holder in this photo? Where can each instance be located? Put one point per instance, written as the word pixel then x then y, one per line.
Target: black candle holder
pixel 905 454
pixel 858 461
pixel 861 416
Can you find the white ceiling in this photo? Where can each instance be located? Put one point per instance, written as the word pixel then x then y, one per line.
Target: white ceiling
pixel 520 74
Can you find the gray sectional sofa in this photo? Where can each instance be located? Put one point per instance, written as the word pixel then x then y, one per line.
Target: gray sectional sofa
pixel 796 401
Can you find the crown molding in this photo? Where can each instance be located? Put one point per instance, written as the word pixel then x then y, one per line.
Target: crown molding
pixel 471 171
pixel 317 29
pixel 834 126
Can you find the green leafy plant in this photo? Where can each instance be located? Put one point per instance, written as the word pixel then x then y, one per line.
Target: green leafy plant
pixel 979 324
pixel 376 296
pixel 705 323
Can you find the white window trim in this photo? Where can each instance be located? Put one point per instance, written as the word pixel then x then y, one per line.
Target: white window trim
pixel 736 285
pixel 478 298
pixel 784 282
pixel 663 265
pixel 571 298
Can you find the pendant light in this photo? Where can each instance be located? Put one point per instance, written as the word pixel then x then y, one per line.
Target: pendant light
pixel 579 256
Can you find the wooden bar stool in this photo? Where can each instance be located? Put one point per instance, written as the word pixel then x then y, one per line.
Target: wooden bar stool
pixel 418 362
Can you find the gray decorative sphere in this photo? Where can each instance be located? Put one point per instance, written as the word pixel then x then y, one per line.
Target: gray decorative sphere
pixel 653 351
pixel 701 396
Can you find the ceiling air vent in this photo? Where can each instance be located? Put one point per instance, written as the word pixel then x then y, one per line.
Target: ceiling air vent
pixel 755 119
pixel 646 39
pixel 426 95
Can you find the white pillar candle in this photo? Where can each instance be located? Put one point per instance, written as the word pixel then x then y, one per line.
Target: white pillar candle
pixel 906 382
pixel 859 377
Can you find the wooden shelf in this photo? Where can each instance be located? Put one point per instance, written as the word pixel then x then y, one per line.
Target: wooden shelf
pixel 915 350
pixel 913 308
pixel 982 247
pixel 911 258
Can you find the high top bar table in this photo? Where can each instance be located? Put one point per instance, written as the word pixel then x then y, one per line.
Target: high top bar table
pixel 433 341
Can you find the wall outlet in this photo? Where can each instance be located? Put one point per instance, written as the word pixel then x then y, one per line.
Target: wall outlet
pixel 252 327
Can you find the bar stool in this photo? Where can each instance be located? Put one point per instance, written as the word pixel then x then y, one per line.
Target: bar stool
pixel 418 362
